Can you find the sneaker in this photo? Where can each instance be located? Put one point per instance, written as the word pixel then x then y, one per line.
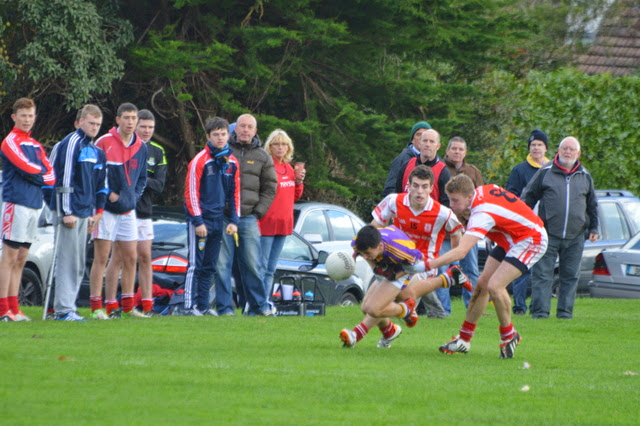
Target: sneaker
pixel 210 312
pixel 20 316
pixel 508 348
pixel 267 313
pixel 348 337
pixel 455 345
pixel 8 317
pixel 411 318
pixel 99 314
pixel 134 313
pixel 71 316
pixel 151 313
pixel 193 312
pixel 456 277
pixel 385 342
pixel 115 314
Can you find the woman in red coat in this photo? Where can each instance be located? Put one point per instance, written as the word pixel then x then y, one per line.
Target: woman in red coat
pixel 278 222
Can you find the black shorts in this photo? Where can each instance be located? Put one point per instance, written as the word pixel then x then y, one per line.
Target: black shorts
pixel 499 254
pixel 16 245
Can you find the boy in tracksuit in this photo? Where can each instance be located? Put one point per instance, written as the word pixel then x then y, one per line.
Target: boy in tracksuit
pixel 25 170
pixel 213 182
pixel 80 167
pixel 126 178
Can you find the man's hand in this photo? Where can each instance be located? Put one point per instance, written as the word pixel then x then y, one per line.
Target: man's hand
pixel 593 237
pixel 69 221
pixel 231 229
pixel 93 222
pixel 201 231
pixel 113 197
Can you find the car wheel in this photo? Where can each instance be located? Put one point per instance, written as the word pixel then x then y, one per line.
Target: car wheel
pixel 348 299
pixel 30 288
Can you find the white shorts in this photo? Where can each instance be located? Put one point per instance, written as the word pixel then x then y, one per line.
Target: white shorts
pixel 145 230
pixel 526 253
pixel 19 223
pixel 117 227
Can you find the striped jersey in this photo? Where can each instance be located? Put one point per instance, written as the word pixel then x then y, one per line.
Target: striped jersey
pixel 427 228
pixel 503 218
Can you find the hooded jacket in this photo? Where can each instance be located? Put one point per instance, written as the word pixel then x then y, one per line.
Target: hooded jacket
pixel 568 203
pixel 212 183
pixel 258 181
pixel 80 165
pixel 25 169
pixel 156 176
pixel 126 170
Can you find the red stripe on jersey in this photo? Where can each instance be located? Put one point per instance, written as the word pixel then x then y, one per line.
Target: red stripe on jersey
pixel 7 219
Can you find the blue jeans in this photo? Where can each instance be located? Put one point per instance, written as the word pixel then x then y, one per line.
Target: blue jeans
pixel 469 265
pixel 249 254
pixel 570 257
pixel 271 248
pixel 519 288
pixel 443 293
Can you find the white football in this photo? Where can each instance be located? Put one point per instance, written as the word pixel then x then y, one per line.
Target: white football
pixel 340 265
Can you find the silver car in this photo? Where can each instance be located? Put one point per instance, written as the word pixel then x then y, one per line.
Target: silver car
pixel 616 273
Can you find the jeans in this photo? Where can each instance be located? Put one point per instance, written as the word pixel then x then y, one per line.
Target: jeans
pixel 570 257
pixel 271 248
pixel 249 254
pixel 519 288
pixel 469 265
pixel 443 293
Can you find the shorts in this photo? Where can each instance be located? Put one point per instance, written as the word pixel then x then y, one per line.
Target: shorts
pixel 523 255
pixel 117 227
pixel 400 283
pixel 19 223
pixel 145 229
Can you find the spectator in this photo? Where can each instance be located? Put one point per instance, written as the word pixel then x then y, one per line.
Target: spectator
pixel 126 178
pixel 257 191
pixel 25 170
pixel 80 169
pixel 212 183
pixel 521 241
pixel 410 151
pixel 518 179
pixel 156 175
pixel 568 207
pixel 277 223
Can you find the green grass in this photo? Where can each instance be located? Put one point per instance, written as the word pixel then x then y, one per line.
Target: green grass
pixel 186 370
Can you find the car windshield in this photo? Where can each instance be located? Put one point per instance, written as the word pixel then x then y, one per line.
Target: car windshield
pixel 170 232
pixel 633 210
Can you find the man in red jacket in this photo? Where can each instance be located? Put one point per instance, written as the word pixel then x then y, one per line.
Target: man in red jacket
pixel 25 170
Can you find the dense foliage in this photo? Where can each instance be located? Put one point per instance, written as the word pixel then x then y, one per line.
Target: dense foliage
pixel 347 79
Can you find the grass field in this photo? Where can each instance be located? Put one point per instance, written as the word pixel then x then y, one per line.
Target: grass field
pixel 241 370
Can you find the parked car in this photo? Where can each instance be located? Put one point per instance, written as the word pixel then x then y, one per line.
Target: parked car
pixel 616 272
pixel 619 217
pixel 36 269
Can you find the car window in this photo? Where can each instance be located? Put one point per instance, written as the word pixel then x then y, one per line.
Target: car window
pixel 315 223
pixel 636 246
pixel 633 211
pixel 614 222
pixel 342 226
pixel 295 249
pixel 170 233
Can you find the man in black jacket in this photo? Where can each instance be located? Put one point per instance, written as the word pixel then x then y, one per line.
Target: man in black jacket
pixel 568 207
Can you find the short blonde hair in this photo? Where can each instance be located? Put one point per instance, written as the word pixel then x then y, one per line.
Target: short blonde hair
pixel 460 184
pixel 279 135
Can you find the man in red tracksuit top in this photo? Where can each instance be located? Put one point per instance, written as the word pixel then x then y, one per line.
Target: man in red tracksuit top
pixel 213 182
pixel 25 170
pixel 126 179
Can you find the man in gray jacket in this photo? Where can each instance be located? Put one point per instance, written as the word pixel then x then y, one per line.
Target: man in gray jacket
pixel 568 207
pixel 257 190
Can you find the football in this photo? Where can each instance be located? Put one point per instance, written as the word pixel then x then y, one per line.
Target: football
pixel 340 265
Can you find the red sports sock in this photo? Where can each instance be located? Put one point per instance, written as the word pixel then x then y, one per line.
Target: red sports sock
pixel 361 331
pixel 127 302
pixel 388 330
pixel 4 306
pixel 147 305
pixel 112 305
pixel 467 330
pixel 95 302
pixel 507 333
pixel 13 304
